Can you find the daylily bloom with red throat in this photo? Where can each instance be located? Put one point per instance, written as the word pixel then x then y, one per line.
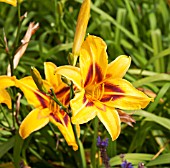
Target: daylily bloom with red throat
pixel 46 109
pixel 101 88
pixel 11 2
pixel 6 81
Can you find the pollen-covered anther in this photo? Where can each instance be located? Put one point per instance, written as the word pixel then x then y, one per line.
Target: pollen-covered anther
pixel 97 92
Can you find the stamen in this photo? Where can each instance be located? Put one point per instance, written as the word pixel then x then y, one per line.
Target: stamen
pixel 93 92
pixel 102 91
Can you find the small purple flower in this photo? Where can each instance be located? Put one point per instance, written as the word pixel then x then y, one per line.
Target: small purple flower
pixel 126 164
pixel 102 145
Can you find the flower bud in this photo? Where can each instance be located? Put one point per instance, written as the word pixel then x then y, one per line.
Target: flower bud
pixel 37 79
pixel 81 27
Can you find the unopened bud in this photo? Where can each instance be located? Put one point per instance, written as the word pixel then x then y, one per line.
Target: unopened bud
pixel 37 79
pixel 81 27
pixel 65 80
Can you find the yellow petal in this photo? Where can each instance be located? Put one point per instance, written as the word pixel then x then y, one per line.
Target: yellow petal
pixel 5 98
pixel 61 89
pixel 64 125
pixel 71 73
pixel 118 67
pixel 111 121
pixel 82 109
pixel 7 81
pixel 53 79
pixel 78 130
pixel 93 60
pixel 81 26
pixel 34 121
pixel 31 92
pixel 120 93
pixel 11 2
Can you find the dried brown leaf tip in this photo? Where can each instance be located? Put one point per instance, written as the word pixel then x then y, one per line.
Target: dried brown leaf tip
pixel 32 28
pixel 126 118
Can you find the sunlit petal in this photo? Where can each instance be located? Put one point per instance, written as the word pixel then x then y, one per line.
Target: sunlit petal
pixel 83 110
pixel 31 92
pixel 11 2
pixel 5 98
pixel 34 121
pixel 7 81
pixel 71 73
pixel 53 79
pixel 118 67
pixel 63 93
pixel 111 121
pixel 120 93
pixel 64 125
pixel 93 60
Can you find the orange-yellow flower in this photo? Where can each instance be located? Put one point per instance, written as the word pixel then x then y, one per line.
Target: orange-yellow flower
pixel 6 81
pixel 101 88
pixel 46 109
pixel 11 2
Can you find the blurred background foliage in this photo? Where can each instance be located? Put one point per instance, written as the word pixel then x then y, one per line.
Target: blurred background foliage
pixel 139 28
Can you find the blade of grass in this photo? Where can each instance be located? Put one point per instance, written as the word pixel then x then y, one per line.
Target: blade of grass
pixel 165 122
pixel 162 159
pixel 6 146
pixel 132 18
pixel 134 158
pixel 161 93
pixel 121 13
pixel 157 47
pixel 159 77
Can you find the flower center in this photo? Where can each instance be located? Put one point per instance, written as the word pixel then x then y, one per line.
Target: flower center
pixel 53 106
pixel 95 92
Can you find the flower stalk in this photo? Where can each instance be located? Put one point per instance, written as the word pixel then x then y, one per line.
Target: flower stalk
pixel 57 101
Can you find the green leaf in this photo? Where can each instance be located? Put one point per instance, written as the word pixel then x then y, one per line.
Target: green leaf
pixel 134 158
pixel 159 77
pixel 6 146
pixel 162 159
pixel 152 117
pixel 161 93
pixel 17 150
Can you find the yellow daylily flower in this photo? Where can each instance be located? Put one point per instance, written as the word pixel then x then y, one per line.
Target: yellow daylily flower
pixel 11 2
pixel 101 88
pixel 6 81
pixel 46 110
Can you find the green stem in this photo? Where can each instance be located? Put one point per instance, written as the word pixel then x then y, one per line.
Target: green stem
pixel 13 116
pixel 15 45
pixel 19 24
pixel 82 162
pixel 57 101
pixel 94 147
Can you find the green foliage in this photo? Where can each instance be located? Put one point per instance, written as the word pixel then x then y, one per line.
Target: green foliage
pixel 137 28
